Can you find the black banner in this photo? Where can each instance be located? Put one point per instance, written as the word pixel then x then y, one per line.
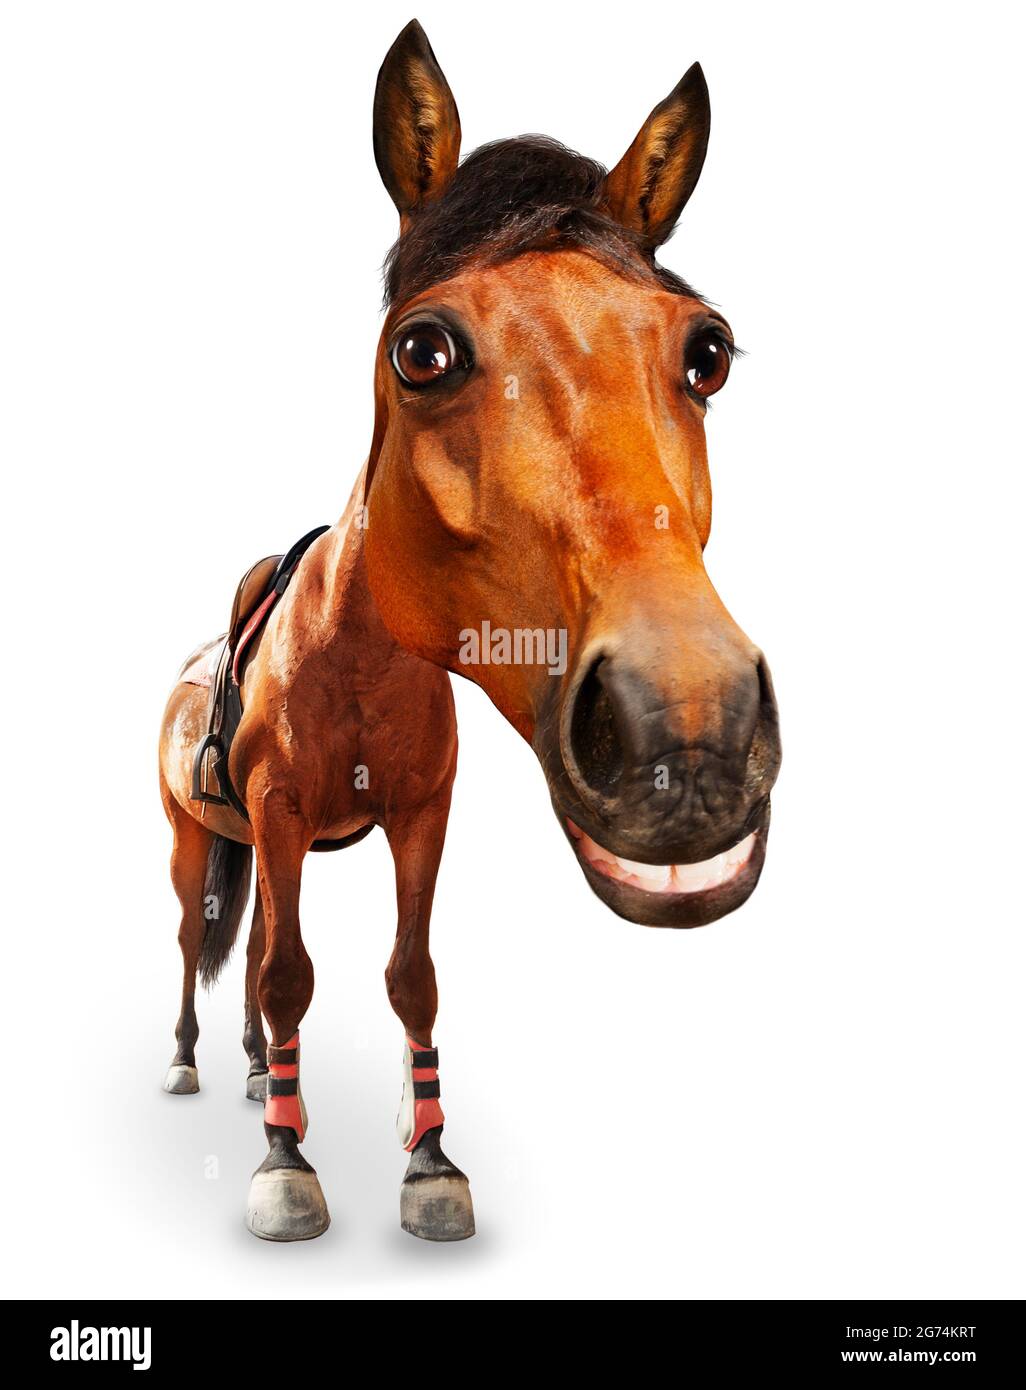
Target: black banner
pixel 190 1341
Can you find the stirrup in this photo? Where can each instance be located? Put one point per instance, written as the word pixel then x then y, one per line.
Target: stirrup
pixel 199 791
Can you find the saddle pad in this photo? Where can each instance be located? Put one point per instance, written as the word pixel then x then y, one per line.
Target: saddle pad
pixel 202 668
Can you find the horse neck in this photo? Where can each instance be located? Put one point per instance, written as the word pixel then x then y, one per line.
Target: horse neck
pixel 347 599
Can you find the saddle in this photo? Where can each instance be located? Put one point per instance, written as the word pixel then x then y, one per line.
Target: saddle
pixel 259 590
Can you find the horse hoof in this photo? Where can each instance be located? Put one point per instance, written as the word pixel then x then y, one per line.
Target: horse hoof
pixel 256 1086
pixel 181 1080
pixel 437 1208
pixel 286 1204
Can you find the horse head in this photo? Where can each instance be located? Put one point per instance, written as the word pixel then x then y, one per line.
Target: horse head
pixel 538 487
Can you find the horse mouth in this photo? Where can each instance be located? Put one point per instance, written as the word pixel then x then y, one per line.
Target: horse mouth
pixel 673 895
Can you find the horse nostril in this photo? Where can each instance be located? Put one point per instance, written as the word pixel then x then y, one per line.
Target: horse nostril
pixel 767 700
pixel 594 740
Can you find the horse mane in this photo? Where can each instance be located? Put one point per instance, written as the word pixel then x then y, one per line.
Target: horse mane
pixel 512 196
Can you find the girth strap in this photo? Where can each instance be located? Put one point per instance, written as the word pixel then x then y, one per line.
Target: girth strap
pixel 226 691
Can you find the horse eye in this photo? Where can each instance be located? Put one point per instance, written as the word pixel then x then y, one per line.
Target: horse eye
pixel 422 353
pixel 707 364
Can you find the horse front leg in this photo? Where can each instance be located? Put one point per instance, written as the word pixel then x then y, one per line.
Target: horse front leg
pixel 435 1202
pixel 285 1198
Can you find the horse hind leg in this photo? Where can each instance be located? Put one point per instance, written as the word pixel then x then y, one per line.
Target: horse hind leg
pixel 253 1038
pixel 188 876
pixel 210 875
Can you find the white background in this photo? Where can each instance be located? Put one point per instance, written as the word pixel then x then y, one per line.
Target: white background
pixel 820 1096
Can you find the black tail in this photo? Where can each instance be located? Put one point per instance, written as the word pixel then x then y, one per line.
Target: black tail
pixel 225 894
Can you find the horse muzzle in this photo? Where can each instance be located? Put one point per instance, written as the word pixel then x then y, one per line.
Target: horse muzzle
pixel 662 782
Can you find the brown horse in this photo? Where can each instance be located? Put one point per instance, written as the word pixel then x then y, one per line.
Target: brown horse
pixel 532 515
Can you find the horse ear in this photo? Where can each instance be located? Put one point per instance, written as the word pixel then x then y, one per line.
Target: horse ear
pixel 647 190
pixel 416 124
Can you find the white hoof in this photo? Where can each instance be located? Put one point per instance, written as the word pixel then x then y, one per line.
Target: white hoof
pixel 437 1208
pixel 256 1086
pixel 181 1080
pixel 286 1204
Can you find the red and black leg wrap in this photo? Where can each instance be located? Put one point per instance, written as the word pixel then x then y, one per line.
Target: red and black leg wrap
pixel 283 1106
pixel 422 1109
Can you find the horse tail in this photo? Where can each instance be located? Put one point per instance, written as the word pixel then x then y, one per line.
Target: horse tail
pixel 225 894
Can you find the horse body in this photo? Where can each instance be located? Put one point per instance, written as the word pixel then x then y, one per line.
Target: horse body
pixel 538 469
pixel 342 730
pixel 328 695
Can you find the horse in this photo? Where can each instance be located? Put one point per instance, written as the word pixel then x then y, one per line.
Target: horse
pixel 532 515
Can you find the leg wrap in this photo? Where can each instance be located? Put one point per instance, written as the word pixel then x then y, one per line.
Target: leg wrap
pixel 419 1110
pixel 284 1103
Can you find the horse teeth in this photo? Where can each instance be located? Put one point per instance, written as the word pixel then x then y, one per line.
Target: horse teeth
pixel 741 853
pixel 694 878
pixel 665 878
pixel 655 876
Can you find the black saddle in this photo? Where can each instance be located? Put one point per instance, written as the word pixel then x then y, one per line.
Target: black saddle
pixel 259 590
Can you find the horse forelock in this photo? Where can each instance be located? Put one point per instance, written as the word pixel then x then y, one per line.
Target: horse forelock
pixel 509 197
